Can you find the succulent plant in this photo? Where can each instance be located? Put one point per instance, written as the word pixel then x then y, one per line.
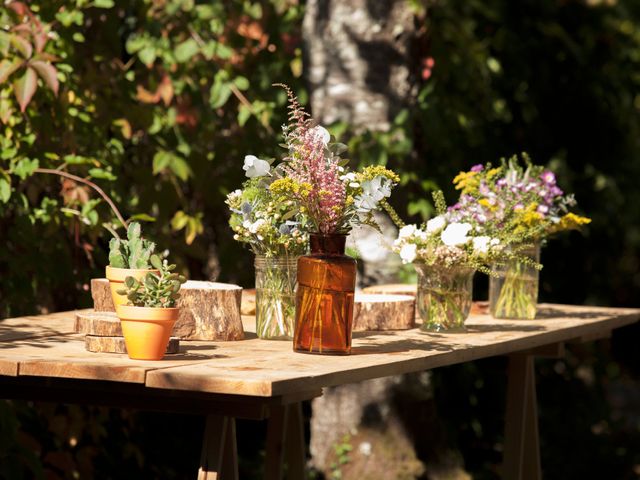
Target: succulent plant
pixel 154 290
pixel 134 252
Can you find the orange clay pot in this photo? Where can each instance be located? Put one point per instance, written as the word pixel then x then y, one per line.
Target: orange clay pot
pixel 116 278
pixel 146 330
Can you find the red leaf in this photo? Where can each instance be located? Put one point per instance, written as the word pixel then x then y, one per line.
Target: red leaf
pixel 145 96
pixel 22 45
pixel 19 7
pixel 40 39
pixel 48 73
pixel 25 87
pixel 7 68
pixel 165 89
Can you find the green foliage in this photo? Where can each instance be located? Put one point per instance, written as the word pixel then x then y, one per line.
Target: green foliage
pixel 154 290
pixel 134 252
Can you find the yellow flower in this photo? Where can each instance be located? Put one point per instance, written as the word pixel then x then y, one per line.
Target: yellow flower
pixel 373 171
pixel 467 182
pixel 493 172
pixel 572 221
pixel 484 202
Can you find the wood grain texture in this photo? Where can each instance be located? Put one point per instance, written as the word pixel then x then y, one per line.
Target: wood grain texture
pixel 267 368
pixel 393 289
pixel 96 344
pixel 208 310
pixel 102 324
pixel 383 312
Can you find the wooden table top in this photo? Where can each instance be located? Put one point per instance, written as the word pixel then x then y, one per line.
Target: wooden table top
pixel 45 346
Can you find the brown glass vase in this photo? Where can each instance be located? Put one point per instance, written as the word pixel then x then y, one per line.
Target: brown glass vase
pixel 324 300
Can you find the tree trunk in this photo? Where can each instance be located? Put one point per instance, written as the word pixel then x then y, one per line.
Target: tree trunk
pixel 359 64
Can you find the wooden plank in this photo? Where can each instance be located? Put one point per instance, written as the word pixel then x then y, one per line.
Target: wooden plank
pixel 521 443
pixel 270 368
pixel 33 326
pixel 259 367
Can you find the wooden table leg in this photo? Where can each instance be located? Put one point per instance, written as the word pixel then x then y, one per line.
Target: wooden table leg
pixel 285 440
pixel 219 458
pixel 521 446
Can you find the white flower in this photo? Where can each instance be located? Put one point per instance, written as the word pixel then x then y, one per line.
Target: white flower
pixel 323 133
pixel 378 188
pixel 255 226
pixel 436 224
pixel 408 253
pixel 481 244
pixel 495 241
pixel 407 231
pixel 348 177
pixel 255 167
pixel 455 234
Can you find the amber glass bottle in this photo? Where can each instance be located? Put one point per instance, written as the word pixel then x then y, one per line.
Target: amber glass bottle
pixel 324 301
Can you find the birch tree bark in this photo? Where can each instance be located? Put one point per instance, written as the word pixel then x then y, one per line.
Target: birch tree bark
pixel 359 63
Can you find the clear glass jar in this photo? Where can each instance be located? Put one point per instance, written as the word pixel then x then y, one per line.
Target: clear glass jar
pixel 513 287
pixel 324 307
pixel 275 296
pixel 444 296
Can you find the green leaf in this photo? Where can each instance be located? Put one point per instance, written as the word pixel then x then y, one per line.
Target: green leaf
pixel 22 45
pixel 48 73
pixel 244 113
pixel 155 262
pixel 186 50
pixel 179 220
pixel 103 3
pixel 148 55
pixel 25 167
pixel 164 160
pixel 25 87
pixel 241 82
pixel 103 174
pixel 142 217
pixel 5 188
pixel 7 68
pixel 219 94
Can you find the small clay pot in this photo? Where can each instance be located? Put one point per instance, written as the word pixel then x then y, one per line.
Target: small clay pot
pixel 146 330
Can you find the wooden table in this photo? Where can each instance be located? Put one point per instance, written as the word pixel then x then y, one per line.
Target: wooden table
pixel 260 379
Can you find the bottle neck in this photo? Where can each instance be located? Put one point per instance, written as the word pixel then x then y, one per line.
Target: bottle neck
pixel 331 244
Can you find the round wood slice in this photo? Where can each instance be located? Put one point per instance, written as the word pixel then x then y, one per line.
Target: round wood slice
pixel 248 306
pixel 383 312
pixel 116 344
pixel 393 289
pixel 101 324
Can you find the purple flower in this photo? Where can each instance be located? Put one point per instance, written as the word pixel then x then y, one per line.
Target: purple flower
pixel 477 168
pixel 548 177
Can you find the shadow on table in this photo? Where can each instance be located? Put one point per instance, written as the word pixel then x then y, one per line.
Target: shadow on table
pixel 548 313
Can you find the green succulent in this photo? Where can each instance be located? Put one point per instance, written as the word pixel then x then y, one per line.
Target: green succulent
pixel 154 290
pixel 134 252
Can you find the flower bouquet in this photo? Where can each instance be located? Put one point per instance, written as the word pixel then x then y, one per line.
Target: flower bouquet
pixel 446 253
pixel 276 233
pixel 316 182
pixel 523 201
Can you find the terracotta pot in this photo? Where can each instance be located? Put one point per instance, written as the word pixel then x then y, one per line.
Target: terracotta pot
pixel 146 330
pixel 116 278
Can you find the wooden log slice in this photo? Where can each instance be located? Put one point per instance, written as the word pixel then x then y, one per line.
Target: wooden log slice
pixel 100 324
pixel 248 306
pixel 116 344
pixel 383 312
pixel 393 289
pixel 208 310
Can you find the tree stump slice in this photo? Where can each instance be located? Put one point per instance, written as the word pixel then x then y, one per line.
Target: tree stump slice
pixel 383 312
pixel 208 310
pixel 100 324
pixel 393 289
pixel 248 306
pixel 116 344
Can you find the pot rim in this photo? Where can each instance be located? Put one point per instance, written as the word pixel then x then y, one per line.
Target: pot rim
pixel 115 274
pixel 154 314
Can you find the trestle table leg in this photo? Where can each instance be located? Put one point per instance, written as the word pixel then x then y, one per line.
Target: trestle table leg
pixel 219 459
pixel 285 440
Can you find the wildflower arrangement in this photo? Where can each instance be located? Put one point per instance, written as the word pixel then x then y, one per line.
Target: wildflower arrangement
pixel 318 182
pixel 516 197
pixel 523 201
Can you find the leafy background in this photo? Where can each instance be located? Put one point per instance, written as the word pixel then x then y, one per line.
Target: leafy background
pixel 158 102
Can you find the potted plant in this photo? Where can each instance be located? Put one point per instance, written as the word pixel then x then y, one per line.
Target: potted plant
pixel 277 235
pixel 148 317
pixel 520 200
pixel 130 257
pixel 313 179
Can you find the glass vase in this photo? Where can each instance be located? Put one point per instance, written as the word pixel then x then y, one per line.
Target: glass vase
pixel 324 301
pixel 444 296
pixel 275 296
pixel 513 287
